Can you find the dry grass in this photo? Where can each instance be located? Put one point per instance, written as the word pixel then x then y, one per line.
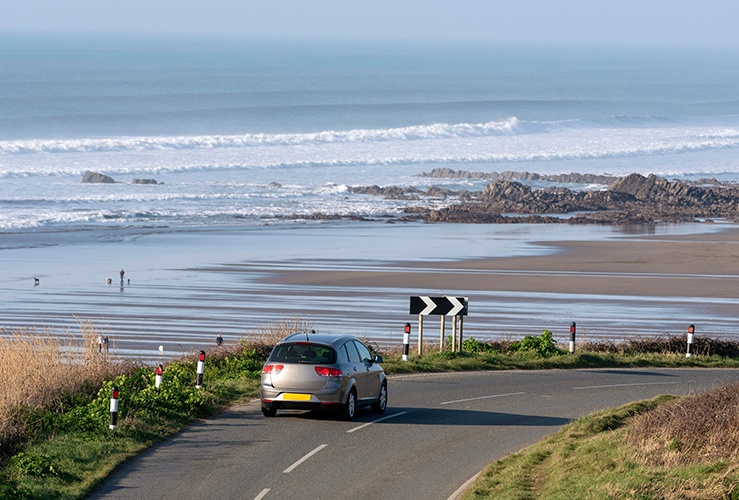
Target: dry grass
pixel 39 369
pixel 703 346
pixel 696 429
pixel 264 338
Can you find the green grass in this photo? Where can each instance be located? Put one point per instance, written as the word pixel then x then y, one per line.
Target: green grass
pixel 593 458
pixel 68 450
pixel 465 361
pixel 68 453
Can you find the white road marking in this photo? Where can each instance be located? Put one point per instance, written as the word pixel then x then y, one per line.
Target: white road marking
pixel 482 397
pixel 262 494
pixel 375 421
pixel 306 457
pixel 462 489
pixel 623 385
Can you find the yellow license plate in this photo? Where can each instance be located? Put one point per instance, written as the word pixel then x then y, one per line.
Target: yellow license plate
pixel 295 397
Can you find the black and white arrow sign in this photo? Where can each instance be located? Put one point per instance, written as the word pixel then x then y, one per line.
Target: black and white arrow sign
pixel 439 306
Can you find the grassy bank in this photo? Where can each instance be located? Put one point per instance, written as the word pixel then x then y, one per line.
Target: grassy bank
pixel 54 423
pixel 666 448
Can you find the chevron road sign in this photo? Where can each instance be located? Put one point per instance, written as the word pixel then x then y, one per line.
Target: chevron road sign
pixel 439 306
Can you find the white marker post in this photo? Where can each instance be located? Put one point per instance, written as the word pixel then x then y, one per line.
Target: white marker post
pixel 114 408
pixel 201 370
pixel 691 339
pixel 158 378
pixel 406 341
pixel 573 328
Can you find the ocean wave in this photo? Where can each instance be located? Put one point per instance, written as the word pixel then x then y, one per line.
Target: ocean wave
pixel 509 127
pixel 121 144
pixel 508 141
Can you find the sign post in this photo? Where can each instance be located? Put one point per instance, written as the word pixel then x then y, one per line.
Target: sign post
pixel 439 306
pixel 461 322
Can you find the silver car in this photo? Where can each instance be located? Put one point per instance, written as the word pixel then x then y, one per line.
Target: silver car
pixel 310 371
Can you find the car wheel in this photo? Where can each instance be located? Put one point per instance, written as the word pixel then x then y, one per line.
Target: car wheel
pixel 381 404
pixel 350 409
pixel 269 411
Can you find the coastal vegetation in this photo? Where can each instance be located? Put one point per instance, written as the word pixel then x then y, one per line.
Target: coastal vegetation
pixel 668 448
pixel 55 419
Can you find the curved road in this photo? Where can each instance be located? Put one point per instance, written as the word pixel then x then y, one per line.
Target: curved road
pixel 438 432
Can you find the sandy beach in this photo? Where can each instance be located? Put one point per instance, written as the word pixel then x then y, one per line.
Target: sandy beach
pixel 698 265
pixel 188 287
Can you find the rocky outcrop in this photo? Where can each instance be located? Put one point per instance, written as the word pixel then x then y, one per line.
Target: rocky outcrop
pixel 389 192
pixel 572 178
pixel 631 199
pixel 91 177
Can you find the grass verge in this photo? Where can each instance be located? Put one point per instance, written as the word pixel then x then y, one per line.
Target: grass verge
pixel 626 452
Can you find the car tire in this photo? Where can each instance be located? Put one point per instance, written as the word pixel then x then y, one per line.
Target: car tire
pixel 381 404
pixel 350 408
pixel 269 412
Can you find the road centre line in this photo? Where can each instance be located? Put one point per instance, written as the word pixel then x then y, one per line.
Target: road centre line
pixel 306 457
pixel 262 494
pixel 376 421
pixel 482 397
pixel 623 385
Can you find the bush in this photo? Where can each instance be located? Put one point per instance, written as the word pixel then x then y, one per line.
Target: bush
pixel 544 346
pixel 474 345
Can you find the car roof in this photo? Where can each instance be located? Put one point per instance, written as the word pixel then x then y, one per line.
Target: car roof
pixel 318 338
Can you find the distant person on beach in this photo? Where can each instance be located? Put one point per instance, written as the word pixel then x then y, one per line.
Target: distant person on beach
pixel 122 274
pixel 106 343
pixel 100 343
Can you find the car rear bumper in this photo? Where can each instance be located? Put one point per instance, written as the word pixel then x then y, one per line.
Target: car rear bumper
pixel 272 398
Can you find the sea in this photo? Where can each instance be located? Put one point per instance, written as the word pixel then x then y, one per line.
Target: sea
pixel 247 139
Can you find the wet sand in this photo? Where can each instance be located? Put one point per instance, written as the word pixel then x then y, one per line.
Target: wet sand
pixel 698 265
pixel 188 287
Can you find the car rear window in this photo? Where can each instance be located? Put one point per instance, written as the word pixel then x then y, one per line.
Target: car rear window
pixel 303 352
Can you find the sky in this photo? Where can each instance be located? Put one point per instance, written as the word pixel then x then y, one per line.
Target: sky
pixel 690 23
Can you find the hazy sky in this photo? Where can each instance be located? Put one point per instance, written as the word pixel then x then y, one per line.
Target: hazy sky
pixel 663 22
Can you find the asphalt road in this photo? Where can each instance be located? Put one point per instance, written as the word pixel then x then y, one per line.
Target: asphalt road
pixel 438 432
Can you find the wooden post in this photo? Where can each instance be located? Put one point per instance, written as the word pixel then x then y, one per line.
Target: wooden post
pixel 420 334
pixel 461 322
pixel 454 333
pixel 441 340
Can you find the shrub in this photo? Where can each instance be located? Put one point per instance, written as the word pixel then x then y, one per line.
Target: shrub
pixel 35 465
pixel 544 345
pixel 473 345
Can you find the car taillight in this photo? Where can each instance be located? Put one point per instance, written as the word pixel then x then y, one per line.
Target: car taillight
pixel 272 369
pixel 325 371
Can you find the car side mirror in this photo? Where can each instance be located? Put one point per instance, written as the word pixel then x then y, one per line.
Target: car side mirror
pixel 377 358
